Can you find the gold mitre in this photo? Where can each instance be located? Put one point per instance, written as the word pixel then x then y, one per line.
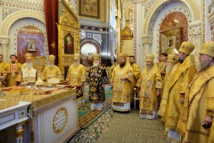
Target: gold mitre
pixel 186 47
pixel 207 49
pixel 131 56
pixel 122 55
pixel 28 56
pixel 51 58
pixel 172 58
pixel 96 57
pixel 150 58
pixel 76 56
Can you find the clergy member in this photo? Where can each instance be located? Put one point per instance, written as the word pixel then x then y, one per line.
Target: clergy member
pixel 149 86
pixel 178 86
pixel 51 71
pixel 121 81
pixel 12 69
pixel 76 75
pixel 2 63
pixel 171 68
pixel 97 79
pixel 27 72
pixel 198 110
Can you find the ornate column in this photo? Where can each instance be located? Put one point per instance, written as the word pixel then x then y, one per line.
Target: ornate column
pixel 146 42
pixel 196 38
pixel 4 43
pixel 19 132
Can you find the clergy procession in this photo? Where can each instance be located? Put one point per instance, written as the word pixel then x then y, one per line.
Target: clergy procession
pixel 172 90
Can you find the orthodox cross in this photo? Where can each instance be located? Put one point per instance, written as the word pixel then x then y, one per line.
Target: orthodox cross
pixel 53 45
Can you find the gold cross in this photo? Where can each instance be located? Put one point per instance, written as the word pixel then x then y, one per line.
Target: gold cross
pixel 53 45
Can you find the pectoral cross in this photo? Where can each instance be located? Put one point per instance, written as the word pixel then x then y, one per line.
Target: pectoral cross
pixel 53 45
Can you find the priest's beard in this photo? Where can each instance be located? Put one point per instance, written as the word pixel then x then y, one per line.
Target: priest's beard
pixel 76 63
pixel 96 64
pixel 149 66
pixel 181 60
pixel 168 69
pixel 122 64
pixel 51 65
pixel 204 65
pixel 29 65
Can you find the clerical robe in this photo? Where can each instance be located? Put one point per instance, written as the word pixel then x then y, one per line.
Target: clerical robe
pixel 136 73
pixel 149 82
pixel 51 72
pixel 26 74
pixel 121 92
pixel 2 74
pixel 13 70
pixel 211 137
pixel 162 67
pixel 165 97
pixel 76 75
pixel 97 78
pixel 3 65
pixel 178 86
pixel 198 104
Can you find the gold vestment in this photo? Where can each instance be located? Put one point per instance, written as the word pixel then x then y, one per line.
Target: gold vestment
pixel 178 86
pixel 198 102
pixel 76 75
pixel 149 82
pixel 165 96
pixel 26 74
pixel 51 72
pixel 13 70
pixel 121 92
pixel 3 65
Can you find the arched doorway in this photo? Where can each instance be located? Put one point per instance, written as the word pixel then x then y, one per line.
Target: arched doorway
pixel 87 50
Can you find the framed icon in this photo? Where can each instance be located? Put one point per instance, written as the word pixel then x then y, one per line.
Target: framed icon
pixel 31 46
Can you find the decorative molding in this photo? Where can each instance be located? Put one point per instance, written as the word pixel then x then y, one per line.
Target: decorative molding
pixel 98 38
pixel 4 40
pixel 60 120
pixel 147 39
pixel 68 17
pixel 11 6
pixel 10 20
pixel 159 5
pixel 178 9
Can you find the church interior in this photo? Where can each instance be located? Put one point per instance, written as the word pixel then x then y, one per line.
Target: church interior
pixel 64 28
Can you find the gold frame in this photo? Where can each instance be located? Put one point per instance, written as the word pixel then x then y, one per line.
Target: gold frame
pixel 88 10
pixel 68 25
pixel 174 34
pixel 31 46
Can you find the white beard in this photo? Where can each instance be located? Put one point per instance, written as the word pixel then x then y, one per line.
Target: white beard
pixel 76 64
pixel 96 64
pixel 148 67
pixel 29 65
pixel 204 65
pixel 51 65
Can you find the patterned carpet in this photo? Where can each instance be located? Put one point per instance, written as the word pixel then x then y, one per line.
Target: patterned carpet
pixel 129 128
pixel 108 126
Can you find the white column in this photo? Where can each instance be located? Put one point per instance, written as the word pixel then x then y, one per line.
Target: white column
pixel 146 42
pixel 197 39
pixel 4 44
